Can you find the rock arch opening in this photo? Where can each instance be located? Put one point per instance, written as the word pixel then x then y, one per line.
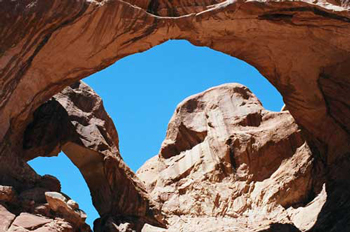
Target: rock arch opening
pixel 214 68
pixel 74 121
pixel 271 35
pixel 71 179
pixel 141 92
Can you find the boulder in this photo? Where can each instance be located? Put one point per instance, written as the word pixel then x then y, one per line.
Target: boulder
pixel 63 206
pixel 26 222
pixel 6 218
pixel 29 222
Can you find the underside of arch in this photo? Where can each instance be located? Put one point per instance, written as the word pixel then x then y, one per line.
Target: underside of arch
pixel 301 47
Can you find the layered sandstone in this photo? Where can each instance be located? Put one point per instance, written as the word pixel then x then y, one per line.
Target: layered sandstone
pixel 301 47
pixel 74 121
pixel 227 164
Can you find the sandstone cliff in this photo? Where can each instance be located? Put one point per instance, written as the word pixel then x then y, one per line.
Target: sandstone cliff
pixel 227 164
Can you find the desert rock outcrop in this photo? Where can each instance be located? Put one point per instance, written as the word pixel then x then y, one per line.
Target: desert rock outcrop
pixel 227 164
pixel 301 47
pixel 75 122
pixel 30 210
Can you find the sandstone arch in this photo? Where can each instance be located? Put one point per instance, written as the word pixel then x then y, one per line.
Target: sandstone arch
pixel 75 122
pixel 302 48
pixel 269 35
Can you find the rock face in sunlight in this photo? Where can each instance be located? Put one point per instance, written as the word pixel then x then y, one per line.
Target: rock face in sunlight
pixel 75 122
pixel 38 59
pixel 227 164
pixel 301 47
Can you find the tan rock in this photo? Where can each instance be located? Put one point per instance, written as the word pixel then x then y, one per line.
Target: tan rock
pixel 29 221
pixel 301 47
pixel 266 35
pixel 6 218
pixel 42 209
pixel 305 217
pixel 62 205
pixel 35 214
pixel 72 204
pixel 251 166
pixel 26 222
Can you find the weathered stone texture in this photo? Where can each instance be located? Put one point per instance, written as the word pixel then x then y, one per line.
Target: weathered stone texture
pixel 249 169
pixel 75 122
pixel 301 47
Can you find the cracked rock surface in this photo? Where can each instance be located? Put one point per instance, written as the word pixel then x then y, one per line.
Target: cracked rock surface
pixel 251 170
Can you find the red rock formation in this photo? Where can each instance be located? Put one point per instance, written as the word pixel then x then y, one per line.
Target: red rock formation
pixel 248 170
pixel 75 122
pixel 301 47
pixel 86 36
pixel 33 209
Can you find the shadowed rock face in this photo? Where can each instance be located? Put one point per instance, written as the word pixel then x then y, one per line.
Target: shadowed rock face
pixel 75 122
pixel 251 169
pixel 301 47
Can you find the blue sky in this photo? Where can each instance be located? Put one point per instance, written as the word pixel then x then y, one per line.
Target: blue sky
pixel 141 92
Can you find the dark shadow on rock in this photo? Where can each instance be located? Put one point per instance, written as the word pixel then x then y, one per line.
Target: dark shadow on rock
pixel 74 121
pixel 279 227
pixel 335 213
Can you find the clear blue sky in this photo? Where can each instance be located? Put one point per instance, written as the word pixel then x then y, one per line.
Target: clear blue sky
pixel 141 92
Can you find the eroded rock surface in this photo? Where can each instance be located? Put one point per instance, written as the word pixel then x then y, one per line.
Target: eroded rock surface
pixel 227 164
pixel 30 210
pixel 301 47
pixel 75 122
